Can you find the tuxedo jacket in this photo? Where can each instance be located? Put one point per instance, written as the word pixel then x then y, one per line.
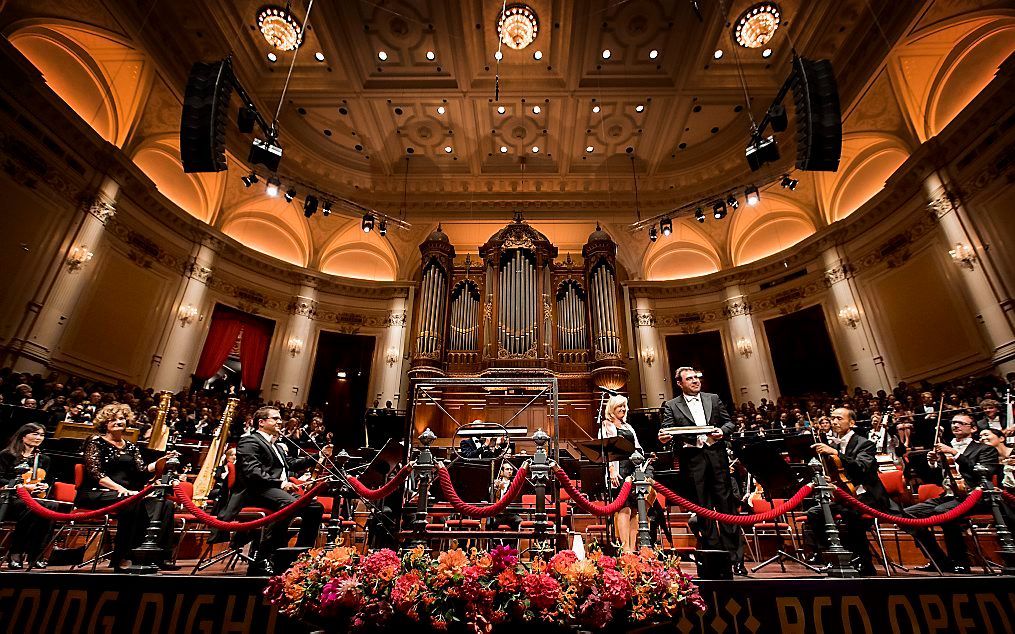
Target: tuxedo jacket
pixel 469 448
pixel 976 453
pixel 675 413
pixel 861 466
pixel 258 466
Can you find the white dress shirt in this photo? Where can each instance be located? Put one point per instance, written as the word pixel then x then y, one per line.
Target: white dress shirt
pixel 961 445
pixel 281 458
pixel 698 414
pixel 842 443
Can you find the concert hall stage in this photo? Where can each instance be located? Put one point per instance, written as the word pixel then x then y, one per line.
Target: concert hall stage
pixel 78 602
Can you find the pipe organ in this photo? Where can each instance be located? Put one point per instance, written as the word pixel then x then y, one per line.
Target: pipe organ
pixel 520 310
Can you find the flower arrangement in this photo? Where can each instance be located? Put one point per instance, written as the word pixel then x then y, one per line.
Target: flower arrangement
pixel 478 591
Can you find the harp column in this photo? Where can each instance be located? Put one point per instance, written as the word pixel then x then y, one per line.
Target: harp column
pixel 431 324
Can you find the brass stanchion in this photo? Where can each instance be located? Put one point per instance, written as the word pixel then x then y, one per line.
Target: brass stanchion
pixel 423 472
pixel 539 472
pixel 839 558
pixel 641 490
pixel 1004 536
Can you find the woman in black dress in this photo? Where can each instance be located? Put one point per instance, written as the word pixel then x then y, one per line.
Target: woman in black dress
pixel 113 470
pixel 615 424
pixel 31 532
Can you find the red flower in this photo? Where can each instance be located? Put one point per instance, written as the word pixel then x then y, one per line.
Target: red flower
pixel 617 590
pixel 560 562
pixel 541 590
pixel 508 580
pixel 383 564
pixel 405 590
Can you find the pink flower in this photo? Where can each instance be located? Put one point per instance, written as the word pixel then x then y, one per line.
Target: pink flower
pixel 541 590
pixel 406 590
pixel 617 590
pixel 504 557
pixel 383 564
pixel 560 562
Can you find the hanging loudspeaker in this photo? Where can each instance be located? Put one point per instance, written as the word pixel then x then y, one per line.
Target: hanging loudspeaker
pixel 205 111
pixel 818 118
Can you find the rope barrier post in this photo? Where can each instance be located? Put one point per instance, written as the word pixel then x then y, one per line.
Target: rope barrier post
pixel 423 472
pixel 335 522
pixel 641 490
pixel 144 558
pixel 1004 536
pixel 539 470
pixel 838 557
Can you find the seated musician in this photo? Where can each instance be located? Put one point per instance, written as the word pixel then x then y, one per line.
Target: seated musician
pixel 615 425
pixel 114 469
pixel 967 453
pixel 476 447
pixel 703 459
pixel 262 480
pixel 497 490
pixel 995 438
pixel 31 533
pixel 857 455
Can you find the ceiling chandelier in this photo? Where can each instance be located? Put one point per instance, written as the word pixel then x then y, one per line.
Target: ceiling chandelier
pixel 279 27
pixel 518 26
pixel 757 25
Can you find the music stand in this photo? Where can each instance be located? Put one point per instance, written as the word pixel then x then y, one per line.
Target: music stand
pixel 780 480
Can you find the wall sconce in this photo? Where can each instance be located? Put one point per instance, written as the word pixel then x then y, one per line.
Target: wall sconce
pixel 648 355
pixel 744 347
pixel 963 255
pixel 78 257
pixel 849 316
pixel 391 356
pixel 295 346
pixel 187 314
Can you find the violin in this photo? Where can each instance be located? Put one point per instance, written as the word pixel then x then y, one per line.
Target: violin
pixel 953 477
pixel 832 463
pixel 36 476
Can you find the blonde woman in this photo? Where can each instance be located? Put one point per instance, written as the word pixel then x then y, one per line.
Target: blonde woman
pixel 615 425
pixel 114 469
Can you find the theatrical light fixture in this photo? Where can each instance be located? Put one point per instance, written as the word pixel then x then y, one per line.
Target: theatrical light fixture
pixel 699 214
pixel 272 57
pixel 788 183
pixel 430 55
pixel 718 210
pixel 279 27
pixel 752 196
pixel 265 152
pixel 653 235
pixel 272 187
pixel 517 26
pixel 653 54
pixel 310 206
pixel 290 194
pixel 382 55
pixel 606 53
pixel 249 179
pixel 319 56
pixel 756 26
pixel 538 55
pixel 764 151
pixel 717 54
pixel 326 209
pixel 732 202
pixel 382 228
pixel 368 222
pixel 666 226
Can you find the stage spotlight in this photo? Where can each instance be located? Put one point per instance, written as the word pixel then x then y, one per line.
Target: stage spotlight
pixel 764 151
pixel 719 210
pixel 267 153
pixel 382 228
pixel 368 222
pixel 666 226
pixel 788 183
pixel 290 194
pixel 326 211
pixel 249 180
pixel 732 202
pixel 272 187
pixel 310 206
pixel 653 235
pixel 752 195
pixel 699 214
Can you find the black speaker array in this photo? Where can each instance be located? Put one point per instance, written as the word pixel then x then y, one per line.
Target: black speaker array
pixel 205 112
pixel 818 118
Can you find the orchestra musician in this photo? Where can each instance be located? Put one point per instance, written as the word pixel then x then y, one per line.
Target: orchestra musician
pixel 995 438
pixel 704 463
pixel 497 490
pixel 967 453
pixel 114 469
pixel 857 455
pixel 615 425
pixel 262 479
pixel 21 458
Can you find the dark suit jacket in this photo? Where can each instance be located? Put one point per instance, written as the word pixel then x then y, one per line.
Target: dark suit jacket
pixel 675 413
pixel 858 459
pixel 977 453
pixel 258 467
pixel 470 449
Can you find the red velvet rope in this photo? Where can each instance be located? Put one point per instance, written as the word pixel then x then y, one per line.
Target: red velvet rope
pixel 1008 497
pixel 384 490
pixel 221 525
pixel 918 522
pixel 473 510
pixel 736 520
pixel 57 516
pixel 587 505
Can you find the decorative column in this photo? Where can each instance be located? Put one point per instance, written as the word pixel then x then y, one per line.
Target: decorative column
pixel 56 300
pixel 173 366
pixel 289 381
pixel 651 354
pixel 852 328
pixel 749 365
pixel 965 250
pixel 393 352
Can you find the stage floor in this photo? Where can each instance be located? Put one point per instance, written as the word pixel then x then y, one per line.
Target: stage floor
pixel 771 601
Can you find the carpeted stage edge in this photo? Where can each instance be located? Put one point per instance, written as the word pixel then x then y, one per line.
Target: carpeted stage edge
pixel 78 602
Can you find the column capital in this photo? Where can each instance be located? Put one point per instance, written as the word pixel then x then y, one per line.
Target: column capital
pixel 644 317
pixel 839 273
pixel 396 319
pixel 737 307
pixel 101 206
pixel 197 272
pixel 303 306
pixel 943 202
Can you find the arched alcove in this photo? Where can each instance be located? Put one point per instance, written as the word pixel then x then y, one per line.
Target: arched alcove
pixel 264 233
pixel 868 161
pixel 687 252
pixel 197 194
pixel 350 252
pixel 774 224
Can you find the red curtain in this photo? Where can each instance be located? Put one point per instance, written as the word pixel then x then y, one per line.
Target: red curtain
pixel 225 328
pixel 226 325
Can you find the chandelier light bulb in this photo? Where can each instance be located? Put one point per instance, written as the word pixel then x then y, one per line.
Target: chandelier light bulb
pixel 279 28
pixel 756 26
pixel 517 26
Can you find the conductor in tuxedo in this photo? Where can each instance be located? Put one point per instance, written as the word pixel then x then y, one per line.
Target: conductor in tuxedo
pixel 262 480
pixel 704 463
pixel 857 455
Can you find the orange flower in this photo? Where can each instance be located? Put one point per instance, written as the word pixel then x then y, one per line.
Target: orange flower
pixel 341 554
pixel 452 560
pixel 294 592
pixel 582 572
